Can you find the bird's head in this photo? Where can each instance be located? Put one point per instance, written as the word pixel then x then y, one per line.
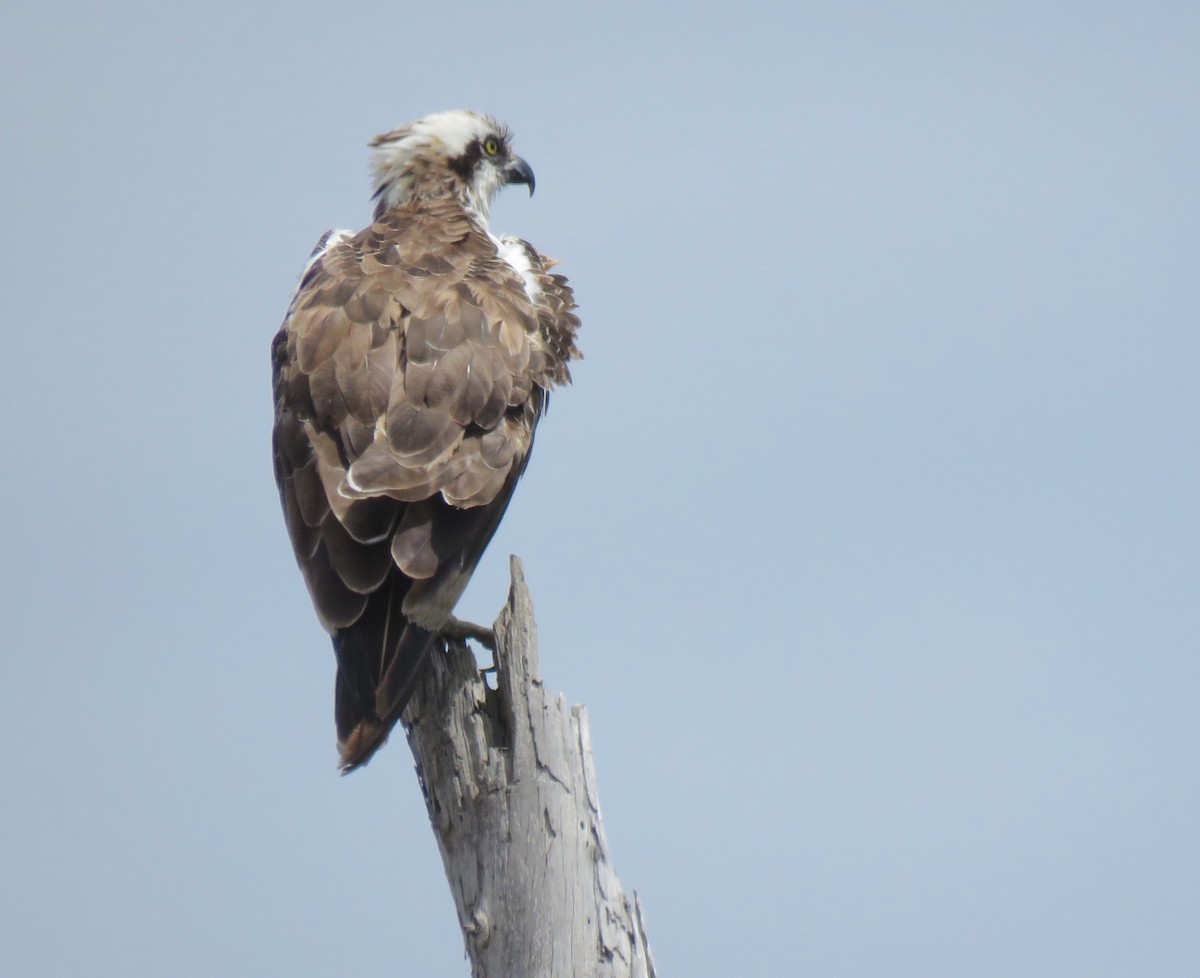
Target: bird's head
pixel 458 154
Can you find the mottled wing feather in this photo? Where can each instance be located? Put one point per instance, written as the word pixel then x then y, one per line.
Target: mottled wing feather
pixel 410 374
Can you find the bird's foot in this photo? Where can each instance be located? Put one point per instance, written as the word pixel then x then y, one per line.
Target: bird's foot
pixel 456 629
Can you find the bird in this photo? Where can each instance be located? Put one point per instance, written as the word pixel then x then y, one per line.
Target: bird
pixel 413 365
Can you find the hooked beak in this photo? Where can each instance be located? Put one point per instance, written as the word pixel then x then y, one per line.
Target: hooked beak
pixel 518 171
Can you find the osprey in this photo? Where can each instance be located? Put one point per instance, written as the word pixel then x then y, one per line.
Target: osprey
pixel 410 372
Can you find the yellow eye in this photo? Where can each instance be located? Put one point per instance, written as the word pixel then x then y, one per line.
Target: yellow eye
pixel 491 147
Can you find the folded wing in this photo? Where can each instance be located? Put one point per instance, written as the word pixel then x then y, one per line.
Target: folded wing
pixel 409 376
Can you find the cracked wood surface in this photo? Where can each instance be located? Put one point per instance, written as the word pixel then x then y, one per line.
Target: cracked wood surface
pixel 511 792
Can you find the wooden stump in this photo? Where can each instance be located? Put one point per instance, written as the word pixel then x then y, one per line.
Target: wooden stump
pixel 510 787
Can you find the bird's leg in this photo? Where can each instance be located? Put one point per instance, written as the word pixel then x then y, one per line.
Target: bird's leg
pixel 456 629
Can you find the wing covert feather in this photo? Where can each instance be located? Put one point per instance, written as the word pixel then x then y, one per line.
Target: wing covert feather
pixel 409 376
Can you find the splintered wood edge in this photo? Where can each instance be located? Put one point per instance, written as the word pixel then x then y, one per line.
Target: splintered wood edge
pixel 487 778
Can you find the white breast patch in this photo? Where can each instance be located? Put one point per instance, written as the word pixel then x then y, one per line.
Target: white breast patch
pixel 512 250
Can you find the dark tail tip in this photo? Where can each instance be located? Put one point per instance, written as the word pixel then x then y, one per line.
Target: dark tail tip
pixel 362 743
pixel 374 683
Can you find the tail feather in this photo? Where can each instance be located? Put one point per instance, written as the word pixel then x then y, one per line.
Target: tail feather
pixel 380 660
pixel 382 655
pixel 365 738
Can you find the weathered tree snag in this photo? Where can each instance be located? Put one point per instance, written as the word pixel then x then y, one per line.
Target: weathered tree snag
pixel 511 792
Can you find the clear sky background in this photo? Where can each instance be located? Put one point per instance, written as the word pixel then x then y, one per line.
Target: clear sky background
pixel 868 532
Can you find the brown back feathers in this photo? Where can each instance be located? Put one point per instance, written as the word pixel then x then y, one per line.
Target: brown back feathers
pixel 409 377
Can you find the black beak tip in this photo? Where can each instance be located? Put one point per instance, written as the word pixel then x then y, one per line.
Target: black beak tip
pixel 518 171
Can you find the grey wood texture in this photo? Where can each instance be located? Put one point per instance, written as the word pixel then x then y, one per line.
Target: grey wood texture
pixel 511 791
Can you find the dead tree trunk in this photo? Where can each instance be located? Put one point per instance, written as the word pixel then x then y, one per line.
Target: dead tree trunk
pixel 511 792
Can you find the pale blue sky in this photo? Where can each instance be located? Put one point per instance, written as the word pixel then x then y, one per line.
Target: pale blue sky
pixel 868 532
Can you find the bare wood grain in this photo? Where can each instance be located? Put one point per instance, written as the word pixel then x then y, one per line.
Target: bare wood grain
pixel 510 787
